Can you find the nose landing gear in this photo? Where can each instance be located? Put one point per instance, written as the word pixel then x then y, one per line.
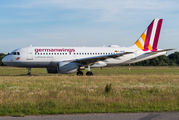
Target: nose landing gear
pixel 29 72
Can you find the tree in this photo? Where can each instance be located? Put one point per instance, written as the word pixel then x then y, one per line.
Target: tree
pixel 2 55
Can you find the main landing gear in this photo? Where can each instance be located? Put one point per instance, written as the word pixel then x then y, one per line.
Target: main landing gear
pixel 29 72
pixel 89 73
pixel 79 73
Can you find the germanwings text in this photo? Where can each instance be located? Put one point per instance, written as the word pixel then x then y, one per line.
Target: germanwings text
pixel 54 50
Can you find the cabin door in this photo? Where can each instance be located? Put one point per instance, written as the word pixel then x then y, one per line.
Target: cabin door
pixel 29 54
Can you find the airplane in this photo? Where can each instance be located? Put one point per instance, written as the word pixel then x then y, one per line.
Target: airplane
pixel 67 60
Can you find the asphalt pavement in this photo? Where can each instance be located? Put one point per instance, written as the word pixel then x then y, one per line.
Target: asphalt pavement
pixel 102 116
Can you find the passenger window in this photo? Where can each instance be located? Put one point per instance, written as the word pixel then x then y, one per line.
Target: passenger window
pixel 38 53
pixel 54 53
pixel 49 53
pixel 57 53
pixel 74 53
pixel 69 53
pixel 96 53
pixel 65 53
pixel 88 53
pixel 77 53
pixel 43 53
pixel 35 53
pixel 82 53
pixel 46 53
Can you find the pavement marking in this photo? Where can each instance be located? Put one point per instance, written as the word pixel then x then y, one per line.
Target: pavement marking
pixel 149 117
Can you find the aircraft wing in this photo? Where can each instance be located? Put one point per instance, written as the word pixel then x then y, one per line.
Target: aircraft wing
pixel 155 52
pixel 89 60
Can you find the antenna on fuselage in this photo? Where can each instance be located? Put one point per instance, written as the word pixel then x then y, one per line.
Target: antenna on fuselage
pixel 31 45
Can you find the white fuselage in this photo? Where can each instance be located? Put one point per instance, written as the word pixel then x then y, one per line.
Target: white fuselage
pixel 46 57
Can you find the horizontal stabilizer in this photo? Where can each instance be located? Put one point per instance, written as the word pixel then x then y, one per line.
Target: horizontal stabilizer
pixel 155 52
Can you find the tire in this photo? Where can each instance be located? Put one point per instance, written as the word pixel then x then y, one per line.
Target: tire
pixel 28 74
pixel 89 73
pixel 79 73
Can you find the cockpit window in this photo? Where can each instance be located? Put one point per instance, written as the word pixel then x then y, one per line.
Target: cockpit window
pixel 15 53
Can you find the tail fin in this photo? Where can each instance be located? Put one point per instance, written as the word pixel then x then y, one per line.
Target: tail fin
pixel 149 38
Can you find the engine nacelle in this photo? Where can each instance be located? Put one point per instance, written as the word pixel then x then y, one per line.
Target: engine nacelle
pixel 99 64
pixel 52 70
pixel 67 67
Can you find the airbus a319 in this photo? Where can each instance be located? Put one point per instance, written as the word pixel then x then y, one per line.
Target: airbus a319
pixel 66 60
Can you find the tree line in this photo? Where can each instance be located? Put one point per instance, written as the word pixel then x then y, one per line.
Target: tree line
pixel 2 55
pixel 170 60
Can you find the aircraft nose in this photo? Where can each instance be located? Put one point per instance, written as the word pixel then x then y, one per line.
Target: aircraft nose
pixel 5 60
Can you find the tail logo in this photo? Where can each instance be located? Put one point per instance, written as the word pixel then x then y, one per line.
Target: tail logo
pixel 149 39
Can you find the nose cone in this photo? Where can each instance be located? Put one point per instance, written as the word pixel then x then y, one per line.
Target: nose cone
pixel 5 60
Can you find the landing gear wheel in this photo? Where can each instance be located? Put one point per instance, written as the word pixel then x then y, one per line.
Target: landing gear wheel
pixel 28 74
pixel 89 73
pixel 79 73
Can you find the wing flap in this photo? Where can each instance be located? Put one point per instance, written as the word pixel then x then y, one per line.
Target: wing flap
pixel 89 60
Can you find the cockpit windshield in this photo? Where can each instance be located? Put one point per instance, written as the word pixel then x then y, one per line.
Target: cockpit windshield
pixel 15 53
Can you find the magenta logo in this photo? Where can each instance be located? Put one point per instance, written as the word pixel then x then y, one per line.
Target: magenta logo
pixel 17 58
pixel 54 50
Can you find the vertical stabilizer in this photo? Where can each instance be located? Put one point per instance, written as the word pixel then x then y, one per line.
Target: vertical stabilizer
pixel 149 38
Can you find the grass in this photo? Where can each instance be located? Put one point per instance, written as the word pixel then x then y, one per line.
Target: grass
pixel 141 89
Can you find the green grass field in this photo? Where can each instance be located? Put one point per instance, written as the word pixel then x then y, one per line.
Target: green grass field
pixel 141 89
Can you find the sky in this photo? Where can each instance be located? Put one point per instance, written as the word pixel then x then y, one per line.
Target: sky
pixel 85 22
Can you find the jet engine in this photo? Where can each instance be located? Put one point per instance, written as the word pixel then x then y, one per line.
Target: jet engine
pixel 67 67
pixel 52 70
pixel 99 64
